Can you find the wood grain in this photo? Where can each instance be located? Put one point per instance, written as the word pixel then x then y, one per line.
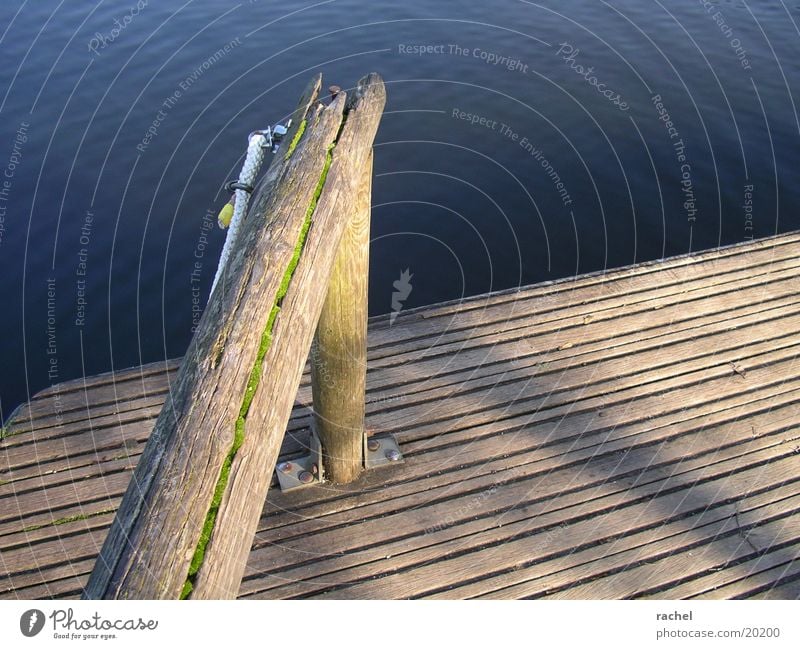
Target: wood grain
pixel 339 351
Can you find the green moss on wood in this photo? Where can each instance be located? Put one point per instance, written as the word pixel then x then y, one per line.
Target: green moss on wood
pixel 67 519
pixel 219 491
pixel 295 140
pixel 253 381
pixel 187 589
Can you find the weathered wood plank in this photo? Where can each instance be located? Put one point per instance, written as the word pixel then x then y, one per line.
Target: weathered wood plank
pixel 787 586
pixel 587 299
pixel 104 441
pixel 516 554
pixel 735 580
pixel 526 397
pixel 716 551
pixel 85 520
pixel 44 506
pixel 652 273
pixel 67 589
pixel 556 339
pixel 554 533
pixel 689 480
pixel 73 404
pixel 140 373
pixel 540 373
pixel 591 561
pixel 510 498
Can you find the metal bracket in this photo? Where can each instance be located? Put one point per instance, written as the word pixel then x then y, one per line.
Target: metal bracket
pixel 309 471
pixel 304 471
pixel 381 451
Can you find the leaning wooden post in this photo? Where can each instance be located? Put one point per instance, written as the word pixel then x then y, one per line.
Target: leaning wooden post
pixel 187 521
pixel 226 554
pixel 339 353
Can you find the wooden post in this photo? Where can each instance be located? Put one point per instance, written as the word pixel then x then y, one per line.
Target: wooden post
pixel 187 521
pixel 339 352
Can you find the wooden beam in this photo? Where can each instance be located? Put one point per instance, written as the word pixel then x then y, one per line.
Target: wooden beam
pixel 215 421
pixel 251 470
pixel 339 352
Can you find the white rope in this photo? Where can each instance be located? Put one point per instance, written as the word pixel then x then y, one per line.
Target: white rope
pixel 250 168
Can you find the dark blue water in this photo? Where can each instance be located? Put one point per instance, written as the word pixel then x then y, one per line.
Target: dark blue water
pixel 524 141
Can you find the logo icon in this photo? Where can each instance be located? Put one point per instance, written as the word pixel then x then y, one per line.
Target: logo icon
pixel 31 622
pixel 402 290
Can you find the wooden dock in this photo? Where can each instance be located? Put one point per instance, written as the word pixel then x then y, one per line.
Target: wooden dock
pixel 629 434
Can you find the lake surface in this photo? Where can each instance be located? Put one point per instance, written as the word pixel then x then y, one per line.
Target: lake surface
pixel 522 141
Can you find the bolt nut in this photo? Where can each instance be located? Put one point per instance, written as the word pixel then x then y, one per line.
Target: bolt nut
pixel 285 467
pixel 305 477
pixel 373 444
pixel 393 455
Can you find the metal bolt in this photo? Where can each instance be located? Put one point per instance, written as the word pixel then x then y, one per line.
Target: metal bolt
pixel 373 444
pixel 305 477
pixel 393 455
pixel 285 467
